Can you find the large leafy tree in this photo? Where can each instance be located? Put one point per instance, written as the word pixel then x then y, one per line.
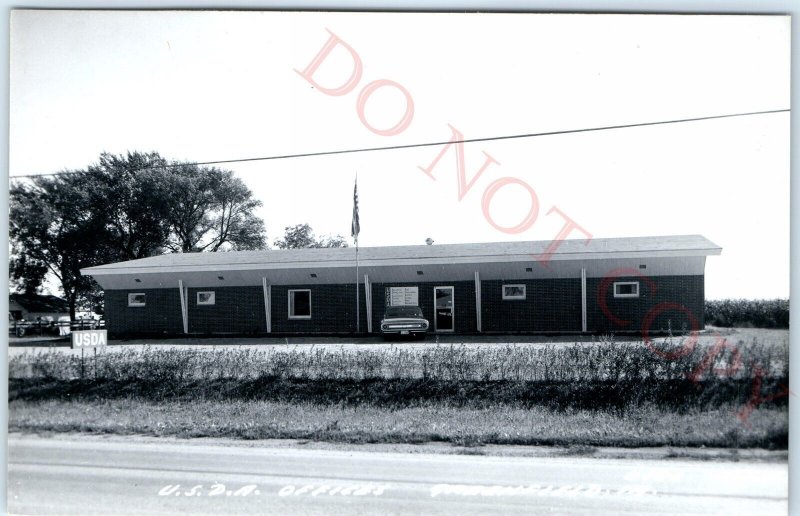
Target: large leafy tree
pixel 52 233
pixel 302 236
pixel 27 273
pixel 121 208
pixel 212 210
pixel 129 195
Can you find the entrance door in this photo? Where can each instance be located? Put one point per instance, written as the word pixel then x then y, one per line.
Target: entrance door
pixel 443 308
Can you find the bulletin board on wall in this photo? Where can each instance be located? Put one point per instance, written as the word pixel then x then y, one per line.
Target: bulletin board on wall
pixel 402 296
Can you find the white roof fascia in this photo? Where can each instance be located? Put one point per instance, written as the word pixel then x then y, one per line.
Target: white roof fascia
pixel 391 262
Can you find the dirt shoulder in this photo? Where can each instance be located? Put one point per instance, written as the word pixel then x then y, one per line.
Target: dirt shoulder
pixel 656 453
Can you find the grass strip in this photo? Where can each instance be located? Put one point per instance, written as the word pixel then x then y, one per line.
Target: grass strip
pixel 638 427
pixel 677 395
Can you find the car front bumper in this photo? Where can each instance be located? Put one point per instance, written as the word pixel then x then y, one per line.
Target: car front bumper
pixel 404 328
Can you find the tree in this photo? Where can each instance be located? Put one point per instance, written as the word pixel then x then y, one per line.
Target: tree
pixel 123 208
pixel 234 222
pixel 152 205
pixel 212 210
pixel 332 241
pixel 129 196
pixel 302 236
pixel 27 273
pixel 190 217
pixel 52 232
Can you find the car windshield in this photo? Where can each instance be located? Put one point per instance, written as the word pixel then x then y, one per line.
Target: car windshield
pixel 403 311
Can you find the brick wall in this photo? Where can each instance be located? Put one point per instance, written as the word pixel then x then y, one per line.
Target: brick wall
pixel 333 309
pixel 161 313
pixel 235 310
pixel 628 314
pixel 551 305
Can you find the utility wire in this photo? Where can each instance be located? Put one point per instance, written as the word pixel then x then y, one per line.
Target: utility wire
pixel 433 144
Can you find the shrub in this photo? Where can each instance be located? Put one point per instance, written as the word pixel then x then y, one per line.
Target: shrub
pixel 749 313
pixel 602 374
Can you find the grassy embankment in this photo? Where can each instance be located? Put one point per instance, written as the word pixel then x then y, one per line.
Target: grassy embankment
pixel 602 395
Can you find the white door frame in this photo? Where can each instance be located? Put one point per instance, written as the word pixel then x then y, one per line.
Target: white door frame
pixel 478 322
pixel 452 308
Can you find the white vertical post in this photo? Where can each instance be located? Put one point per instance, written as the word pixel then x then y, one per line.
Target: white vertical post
pixel 583 301
pixel 267 303
pixel 358 301
pixel 368 301
pixel 478 301
pixel 184 306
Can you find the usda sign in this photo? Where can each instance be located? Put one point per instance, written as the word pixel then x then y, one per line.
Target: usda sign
pixel 89 339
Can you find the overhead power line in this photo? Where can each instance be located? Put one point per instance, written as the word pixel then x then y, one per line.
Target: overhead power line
pixel 433 144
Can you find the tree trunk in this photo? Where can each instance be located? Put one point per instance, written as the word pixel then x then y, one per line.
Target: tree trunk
pixel 71 300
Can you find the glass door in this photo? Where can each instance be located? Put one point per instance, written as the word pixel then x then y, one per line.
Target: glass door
pixel 443 308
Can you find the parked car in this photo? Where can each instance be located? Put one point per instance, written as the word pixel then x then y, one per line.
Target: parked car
pixel 404 321
pixel 43 326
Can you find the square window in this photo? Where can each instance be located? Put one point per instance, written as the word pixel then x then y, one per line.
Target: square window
pixel 205 298
pixel 299 304
pixel 514 292
pixel 137 299
pixel 626 289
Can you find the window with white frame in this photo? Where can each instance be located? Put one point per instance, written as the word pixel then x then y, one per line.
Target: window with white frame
pixel 205 298
pixel 626 289
pixel 299 304
pixel 137 299
pixel 514 292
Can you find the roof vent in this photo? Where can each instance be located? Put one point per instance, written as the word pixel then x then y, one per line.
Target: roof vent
pixel 137 280
pixel 528 269
pixel 419 273
pixel 642 266
pixel 313 274
pixel 220 278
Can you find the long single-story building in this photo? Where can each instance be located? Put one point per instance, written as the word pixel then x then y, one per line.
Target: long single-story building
pixel 645 284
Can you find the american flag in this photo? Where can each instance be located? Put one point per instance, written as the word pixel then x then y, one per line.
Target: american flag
pixel 355 227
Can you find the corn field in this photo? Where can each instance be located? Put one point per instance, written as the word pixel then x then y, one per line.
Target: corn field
pixel 769 313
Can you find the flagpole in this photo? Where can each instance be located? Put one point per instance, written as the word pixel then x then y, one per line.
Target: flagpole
pixel 356 229
pixel 358 303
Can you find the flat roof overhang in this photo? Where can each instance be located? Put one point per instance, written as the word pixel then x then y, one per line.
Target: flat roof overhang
pixel 403 271
pixel 526 258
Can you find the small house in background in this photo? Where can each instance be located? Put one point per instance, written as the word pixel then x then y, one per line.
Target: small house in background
pixel 35 307
pixel 600 285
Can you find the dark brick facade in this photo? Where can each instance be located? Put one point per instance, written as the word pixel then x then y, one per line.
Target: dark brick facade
pixel 669 298
pixel 161 313
pixel 550 306
pixel 333 309
pixel 235 310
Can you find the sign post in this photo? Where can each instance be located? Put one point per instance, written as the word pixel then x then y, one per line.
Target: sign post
pixel 89 339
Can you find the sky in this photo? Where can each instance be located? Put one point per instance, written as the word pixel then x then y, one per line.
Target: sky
pixel 206 86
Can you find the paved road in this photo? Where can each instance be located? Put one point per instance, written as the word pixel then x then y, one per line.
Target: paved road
pixel 98 476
